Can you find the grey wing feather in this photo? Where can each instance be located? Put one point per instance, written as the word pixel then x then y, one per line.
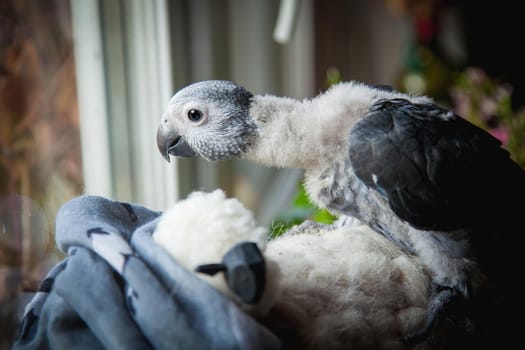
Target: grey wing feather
pixel 435 168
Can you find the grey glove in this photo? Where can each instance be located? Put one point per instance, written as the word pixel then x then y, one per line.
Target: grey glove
pixel 118 289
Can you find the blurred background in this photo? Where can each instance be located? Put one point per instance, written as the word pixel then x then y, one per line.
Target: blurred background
pixel 83 84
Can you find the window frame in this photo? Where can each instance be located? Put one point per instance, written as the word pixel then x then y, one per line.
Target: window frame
pixel 124 81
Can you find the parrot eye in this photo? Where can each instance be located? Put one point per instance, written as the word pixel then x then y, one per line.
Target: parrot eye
pixel 194 115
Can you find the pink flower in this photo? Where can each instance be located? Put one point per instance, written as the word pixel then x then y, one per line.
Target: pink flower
pixel 476 75
pixel 501 133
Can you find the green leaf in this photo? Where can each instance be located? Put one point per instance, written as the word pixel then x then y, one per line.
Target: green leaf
pixel 301 209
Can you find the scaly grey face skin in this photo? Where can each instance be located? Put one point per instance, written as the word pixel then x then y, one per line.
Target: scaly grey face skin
pixel 210 119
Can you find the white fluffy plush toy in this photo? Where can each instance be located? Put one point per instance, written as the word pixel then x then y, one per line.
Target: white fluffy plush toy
pixel 345 288
pixel 201 229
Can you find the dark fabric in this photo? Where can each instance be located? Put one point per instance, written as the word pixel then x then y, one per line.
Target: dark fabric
pixel 117 289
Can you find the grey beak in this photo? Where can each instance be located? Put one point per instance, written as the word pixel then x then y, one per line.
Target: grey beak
pixel 170 143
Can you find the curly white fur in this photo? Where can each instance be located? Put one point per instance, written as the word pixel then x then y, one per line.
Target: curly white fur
pixel 348 288
pixel 203 227
pixel 345 288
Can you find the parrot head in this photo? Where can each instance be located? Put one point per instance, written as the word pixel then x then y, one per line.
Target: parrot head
pixel 208 118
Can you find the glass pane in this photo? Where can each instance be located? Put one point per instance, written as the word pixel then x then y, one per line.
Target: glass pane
pixel 40 163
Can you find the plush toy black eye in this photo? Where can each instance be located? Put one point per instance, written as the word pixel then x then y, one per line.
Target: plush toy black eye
pixel 194 115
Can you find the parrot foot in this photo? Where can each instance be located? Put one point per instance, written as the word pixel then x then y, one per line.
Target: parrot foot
pixel 442 299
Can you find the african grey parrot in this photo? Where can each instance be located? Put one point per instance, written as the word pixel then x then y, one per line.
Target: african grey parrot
pixel 435 184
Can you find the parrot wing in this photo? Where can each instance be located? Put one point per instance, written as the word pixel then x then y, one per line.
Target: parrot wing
pixel 437 170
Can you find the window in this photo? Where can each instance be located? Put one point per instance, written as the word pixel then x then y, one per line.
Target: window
pixel 40 155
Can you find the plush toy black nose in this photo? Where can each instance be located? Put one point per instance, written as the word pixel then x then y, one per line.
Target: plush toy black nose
pixel 244 269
